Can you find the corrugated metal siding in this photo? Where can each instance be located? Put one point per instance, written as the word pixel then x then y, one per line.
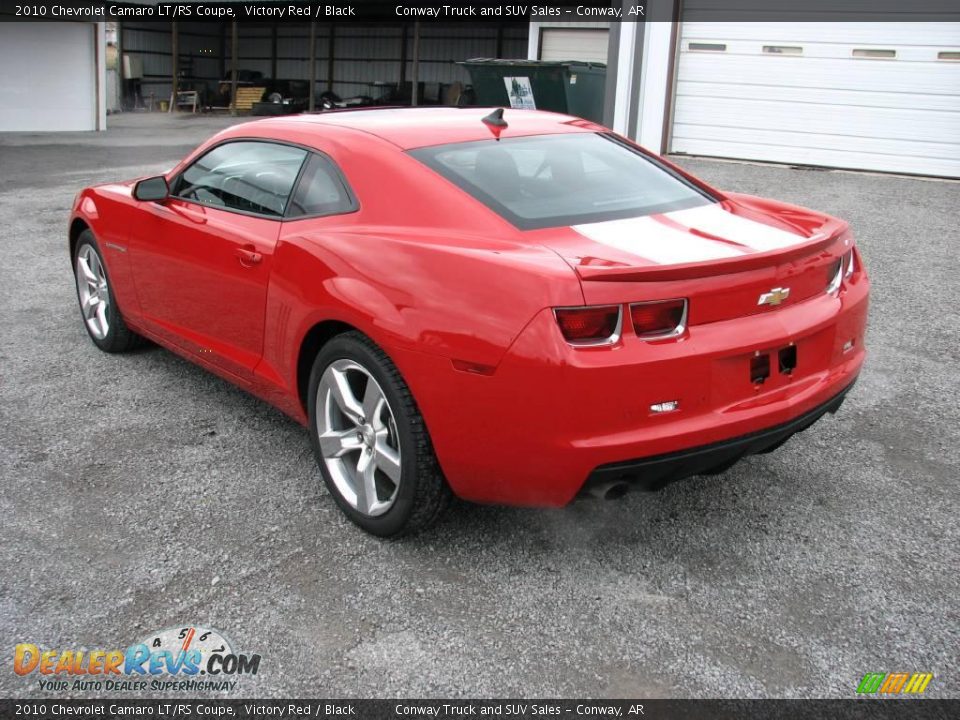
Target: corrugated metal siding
pixel 365 54
pixel 199 45
pixel 151 42
pixel 442 46
pixel 812 101
pixel 293 52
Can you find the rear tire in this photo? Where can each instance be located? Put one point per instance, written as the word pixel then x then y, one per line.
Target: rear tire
pixel 370 440
pixel 98 306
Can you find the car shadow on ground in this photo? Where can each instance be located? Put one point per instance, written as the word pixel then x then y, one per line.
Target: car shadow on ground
pixel 640 518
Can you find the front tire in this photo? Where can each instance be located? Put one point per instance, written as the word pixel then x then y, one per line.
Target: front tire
pixel 98 306
pixel 370 440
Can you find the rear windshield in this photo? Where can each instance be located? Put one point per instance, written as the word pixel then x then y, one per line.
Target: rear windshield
pixel 567 179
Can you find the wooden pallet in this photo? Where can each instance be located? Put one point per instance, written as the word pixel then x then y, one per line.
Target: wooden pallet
pixel 247 96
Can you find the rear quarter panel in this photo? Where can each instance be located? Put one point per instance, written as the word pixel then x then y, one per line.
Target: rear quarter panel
pixel 463 299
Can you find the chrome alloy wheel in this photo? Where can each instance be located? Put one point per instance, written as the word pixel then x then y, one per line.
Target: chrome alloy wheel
pixel 94 292
pixel 358 437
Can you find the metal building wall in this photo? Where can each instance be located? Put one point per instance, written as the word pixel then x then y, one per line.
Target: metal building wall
pixel 150 42
pixel 441 46
pixel 201 43
pixel 364 54
pixel 293 52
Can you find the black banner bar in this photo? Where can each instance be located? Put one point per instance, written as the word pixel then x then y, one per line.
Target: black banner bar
pixel 854 709
pixel 481 11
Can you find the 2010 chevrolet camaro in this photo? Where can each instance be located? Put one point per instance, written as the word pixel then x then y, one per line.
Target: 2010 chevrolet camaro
pixel 515 307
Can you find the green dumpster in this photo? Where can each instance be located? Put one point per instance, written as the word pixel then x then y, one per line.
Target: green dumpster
pixel 571 87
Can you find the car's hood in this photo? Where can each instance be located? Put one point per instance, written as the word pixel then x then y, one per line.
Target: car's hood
pixel 738 233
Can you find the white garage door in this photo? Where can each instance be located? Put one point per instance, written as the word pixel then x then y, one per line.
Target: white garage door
pixel 871 96
pixel 48 80
pixel 574 44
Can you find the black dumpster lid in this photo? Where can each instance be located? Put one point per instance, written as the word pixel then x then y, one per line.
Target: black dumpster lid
pixel 531 63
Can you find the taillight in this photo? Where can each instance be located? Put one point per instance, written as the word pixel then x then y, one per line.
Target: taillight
pixel 659 319
pixel 598 325
pixel 834 276
pixel 840 270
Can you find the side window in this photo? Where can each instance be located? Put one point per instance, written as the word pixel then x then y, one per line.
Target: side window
pixel 321 191
pixel 254 177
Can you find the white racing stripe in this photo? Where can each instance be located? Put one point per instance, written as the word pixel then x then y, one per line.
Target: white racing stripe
pixel 715 220
pixel 646 238
pixel 659 243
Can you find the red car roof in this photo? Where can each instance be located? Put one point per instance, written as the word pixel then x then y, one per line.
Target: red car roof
pixel 418 127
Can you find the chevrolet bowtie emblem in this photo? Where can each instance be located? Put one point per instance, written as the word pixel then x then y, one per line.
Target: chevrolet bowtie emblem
pixel 774 297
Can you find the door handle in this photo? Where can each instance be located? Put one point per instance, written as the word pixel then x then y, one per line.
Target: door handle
pixel 248 256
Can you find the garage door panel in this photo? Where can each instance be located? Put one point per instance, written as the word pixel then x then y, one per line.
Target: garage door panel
pixel 797 51
pixel 815 156
pixel 797 117
pixel 847 33
pixel 824 105
pixel 586 45
pixel 856 74
pixel 919 149
pixel 820 96
pixel 47 80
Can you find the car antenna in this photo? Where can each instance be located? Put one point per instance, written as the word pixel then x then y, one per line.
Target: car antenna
pixel 495 122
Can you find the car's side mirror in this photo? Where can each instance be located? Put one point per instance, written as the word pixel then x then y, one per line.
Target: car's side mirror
pixel 153 189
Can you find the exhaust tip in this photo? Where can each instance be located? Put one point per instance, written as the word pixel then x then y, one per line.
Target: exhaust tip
pixel 616 491
pixel 607 490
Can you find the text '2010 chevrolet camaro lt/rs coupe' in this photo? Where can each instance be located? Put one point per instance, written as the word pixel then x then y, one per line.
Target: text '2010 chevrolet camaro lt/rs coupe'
pixel 511 306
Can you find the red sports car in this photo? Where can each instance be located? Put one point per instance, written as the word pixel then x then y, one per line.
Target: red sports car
pixel 511 306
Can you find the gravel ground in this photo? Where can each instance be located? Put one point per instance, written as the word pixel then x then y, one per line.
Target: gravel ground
pixel 139 492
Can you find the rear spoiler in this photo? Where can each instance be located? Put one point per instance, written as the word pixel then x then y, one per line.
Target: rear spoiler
pixel 689 271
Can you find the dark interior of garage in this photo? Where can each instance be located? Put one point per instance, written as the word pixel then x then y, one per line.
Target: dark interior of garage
pixel 279 68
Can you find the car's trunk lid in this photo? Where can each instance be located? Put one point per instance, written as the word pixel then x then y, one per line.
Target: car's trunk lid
pixel 723 256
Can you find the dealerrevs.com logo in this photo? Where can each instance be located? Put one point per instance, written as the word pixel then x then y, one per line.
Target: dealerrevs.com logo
pixel 186 659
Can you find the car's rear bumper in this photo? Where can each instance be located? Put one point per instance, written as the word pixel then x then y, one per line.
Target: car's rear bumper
pixel 551 417
pixel 652 473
